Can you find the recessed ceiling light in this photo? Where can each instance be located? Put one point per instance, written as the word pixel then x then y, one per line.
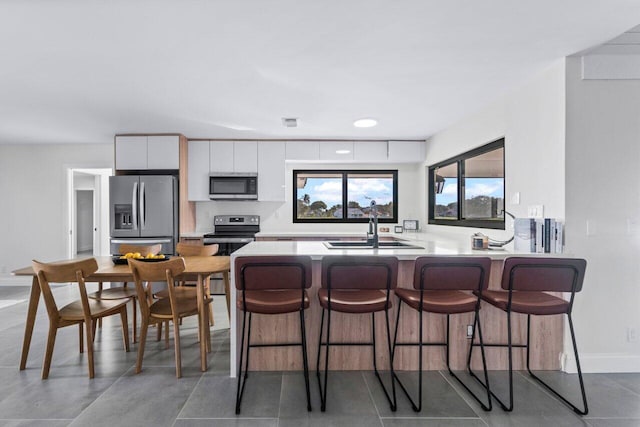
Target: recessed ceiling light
pixel 365 123
pixel 343 151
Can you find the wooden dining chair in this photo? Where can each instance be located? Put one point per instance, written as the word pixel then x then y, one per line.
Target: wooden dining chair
pixel 80 312
pixel 124 291
pixel 182 290
pixel 163 310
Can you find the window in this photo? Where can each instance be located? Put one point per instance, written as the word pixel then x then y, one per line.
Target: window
pixel 468 190
pixel 321 196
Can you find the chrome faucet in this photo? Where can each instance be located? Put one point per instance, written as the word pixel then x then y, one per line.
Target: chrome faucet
pixel 372 235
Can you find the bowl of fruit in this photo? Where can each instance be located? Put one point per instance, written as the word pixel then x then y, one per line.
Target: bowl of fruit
pixel 123 259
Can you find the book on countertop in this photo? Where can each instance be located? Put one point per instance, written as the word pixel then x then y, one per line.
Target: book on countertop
pixel 524 239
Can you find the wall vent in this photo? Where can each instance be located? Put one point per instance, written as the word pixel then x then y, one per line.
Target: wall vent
pixel 290 122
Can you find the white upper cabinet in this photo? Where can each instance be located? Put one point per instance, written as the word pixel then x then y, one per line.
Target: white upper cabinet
pixel 131 152
pixel 336 150
pixel 163 152
pixel 302 150
pixel 147 152
pixel 198 167
pixel 245 156
pixel 370 151
pixel 271 171
pixel 221 156
pixel 233 157
pixel 406 151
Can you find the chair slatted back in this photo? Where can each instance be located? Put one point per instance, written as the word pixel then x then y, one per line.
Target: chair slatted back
pixel 452 273
pixel 162 271
pixel 359 272
pixel 543 274
pixel 63 272
pixel 184 249
pixel 273 272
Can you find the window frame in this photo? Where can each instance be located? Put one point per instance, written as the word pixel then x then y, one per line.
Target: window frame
pixel 460 160
pixel 345 211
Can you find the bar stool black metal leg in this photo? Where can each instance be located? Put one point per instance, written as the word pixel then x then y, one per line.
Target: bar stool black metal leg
pixel 486 407
pixel 392 401
pixel 416 407
pixel 239 389
pixel 584 411
pixel 394 405
pixel 323 390
pixel 305 362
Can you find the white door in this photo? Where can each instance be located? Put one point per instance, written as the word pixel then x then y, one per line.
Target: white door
pixel 84 222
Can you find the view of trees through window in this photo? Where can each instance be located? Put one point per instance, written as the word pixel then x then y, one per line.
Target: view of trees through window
pixel 322 195
pixel 469 189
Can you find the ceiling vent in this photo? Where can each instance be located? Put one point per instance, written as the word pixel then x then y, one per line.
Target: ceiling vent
pixel 290 122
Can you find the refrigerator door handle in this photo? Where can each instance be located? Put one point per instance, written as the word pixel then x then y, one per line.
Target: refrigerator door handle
pixel 134 205
pixel 143 206
pixel 140 241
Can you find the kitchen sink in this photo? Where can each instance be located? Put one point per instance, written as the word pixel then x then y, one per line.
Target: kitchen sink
pixel 358 244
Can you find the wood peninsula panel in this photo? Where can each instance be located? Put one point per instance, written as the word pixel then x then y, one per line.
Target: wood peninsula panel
pixel 187 208
pixel 547 334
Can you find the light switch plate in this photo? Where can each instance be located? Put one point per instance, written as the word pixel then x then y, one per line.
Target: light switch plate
pixel 515 198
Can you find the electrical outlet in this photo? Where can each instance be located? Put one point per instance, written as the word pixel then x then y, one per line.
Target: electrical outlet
pixel 535 211
pixel 469 331
pixel 632 335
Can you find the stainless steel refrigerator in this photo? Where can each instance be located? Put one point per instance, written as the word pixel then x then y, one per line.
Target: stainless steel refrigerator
pixel 144 211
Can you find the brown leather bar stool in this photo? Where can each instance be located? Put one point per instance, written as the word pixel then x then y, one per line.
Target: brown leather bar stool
pixel 526 282
pixel 272 285
pixel 443 285
pixel 356 285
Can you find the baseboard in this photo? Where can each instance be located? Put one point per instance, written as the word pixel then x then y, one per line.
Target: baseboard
pixel 602 363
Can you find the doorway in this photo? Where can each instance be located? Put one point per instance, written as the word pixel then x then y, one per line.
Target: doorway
pixel 85 222
pixel 88 219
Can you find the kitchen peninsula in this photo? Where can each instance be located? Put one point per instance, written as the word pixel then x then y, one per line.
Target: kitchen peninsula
pixel 545 351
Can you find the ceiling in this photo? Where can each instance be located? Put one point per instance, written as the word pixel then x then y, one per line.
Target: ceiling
pixel 81 71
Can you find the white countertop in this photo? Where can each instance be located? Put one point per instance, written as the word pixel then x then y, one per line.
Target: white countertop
pixel 431 245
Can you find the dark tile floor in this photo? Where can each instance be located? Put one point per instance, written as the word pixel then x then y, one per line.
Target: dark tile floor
pixel 119 397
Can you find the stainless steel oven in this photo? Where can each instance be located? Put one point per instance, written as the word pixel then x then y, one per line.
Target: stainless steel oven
pixel 231 232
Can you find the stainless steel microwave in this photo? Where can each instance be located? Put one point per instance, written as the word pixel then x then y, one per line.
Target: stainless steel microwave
pixel 233 186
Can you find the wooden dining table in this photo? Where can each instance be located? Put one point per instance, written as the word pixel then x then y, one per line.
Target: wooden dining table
pixel 198 268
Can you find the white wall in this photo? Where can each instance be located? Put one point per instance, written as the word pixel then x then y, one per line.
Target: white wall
pixel 33 190
pixel 278 216
pixel 602 189
pixel 531 119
